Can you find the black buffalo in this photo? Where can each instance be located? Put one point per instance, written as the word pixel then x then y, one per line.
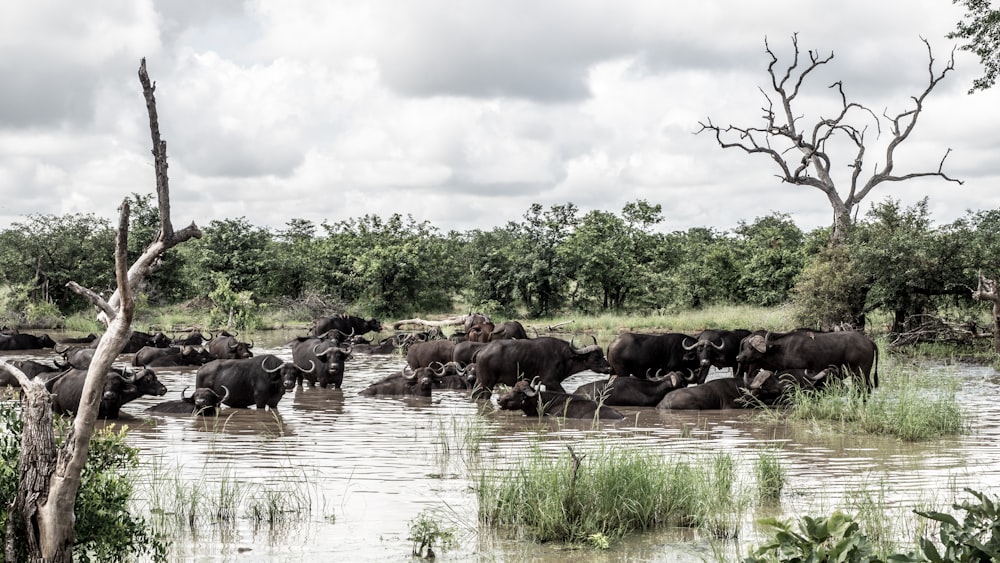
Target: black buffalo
pixel 423 354
pixel 454 375
pixel 418 381
pixel 25 341
pixel 813 351
pixel 386 345
pixel 204 402
pixel 226 347
pixel 320 361
pixel 147 353
pixel 534 400
pixel 717 348
pixel 76 357
pixel 721 393
pixel 633 391
pixel 89 339
pixel 650 355
pixel 347 324
pixel 138 339
pixel 187 356
pixel 550 359
pixel 194 338
pixel 786 382
pixel 259 381
pixel 508 330
pixel 465 352
pixel 121 386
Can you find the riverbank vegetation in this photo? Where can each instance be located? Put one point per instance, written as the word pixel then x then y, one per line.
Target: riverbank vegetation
pixel 896 270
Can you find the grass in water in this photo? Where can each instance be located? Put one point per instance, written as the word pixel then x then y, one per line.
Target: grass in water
pixel 770 475
pixel 598 497
pixel 910 404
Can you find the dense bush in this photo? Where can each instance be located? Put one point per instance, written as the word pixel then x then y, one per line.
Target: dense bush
pixel 105 529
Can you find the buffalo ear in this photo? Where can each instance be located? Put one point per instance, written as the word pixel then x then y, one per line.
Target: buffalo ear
pixel 758 343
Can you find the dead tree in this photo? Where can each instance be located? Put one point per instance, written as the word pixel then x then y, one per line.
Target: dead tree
pixel 49 475
pixel 988 291
pixel 802 151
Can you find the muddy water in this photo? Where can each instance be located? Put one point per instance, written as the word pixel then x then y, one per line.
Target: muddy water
pixel 368 466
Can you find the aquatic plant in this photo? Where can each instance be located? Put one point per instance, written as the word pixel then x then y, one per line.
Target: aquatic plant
pixel 609 493
pixel 910 404
pixel 770 475
pixel 426 532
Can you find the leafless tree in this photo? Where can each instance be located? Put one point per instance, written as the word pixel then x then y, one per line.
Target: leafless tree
pixel 49 474
pixel 802 151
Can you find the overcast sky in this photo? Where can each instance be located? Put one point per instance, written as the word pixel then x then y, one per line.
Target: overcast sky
pixel 463 113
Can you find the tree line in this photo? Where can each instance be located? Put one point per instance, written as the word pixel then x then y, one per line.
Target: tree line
pixel 555 261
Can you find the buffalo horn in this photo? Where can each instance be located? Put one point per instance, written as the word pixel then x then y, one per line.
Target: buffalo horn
pixel 588 349
pixel 691 376
pixel 758 343
pixel 226 396
pixel 264 360
pixel 691 347
pixel 184 390
pixel 312 366
pixel 761 378
pixel 408 373
pixel 122 374
pixel 720 346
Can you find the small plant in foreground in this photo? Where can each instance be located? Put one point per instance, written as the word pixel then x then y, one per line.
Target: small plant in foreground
pixel 425 531
pixel 976 538
pixel 837 538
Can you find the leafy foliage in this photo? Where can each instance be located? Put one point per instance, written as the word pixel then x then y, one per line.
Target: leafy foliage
pixel 426 532
pixel 981 28
pixel 975 538
pixel 836 538
pixel 105 529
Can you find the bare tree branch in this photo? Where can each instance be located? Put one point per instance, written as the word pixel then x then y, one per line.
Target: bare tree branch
pixel 781 135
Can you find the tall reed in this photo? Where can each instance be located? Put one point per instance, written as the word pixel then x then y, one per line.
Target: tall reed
pixel 608 493
pixel 910 404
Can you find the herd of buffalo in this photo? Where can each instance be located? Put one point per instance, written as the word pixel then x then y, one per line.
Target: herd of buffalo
pixel 666 371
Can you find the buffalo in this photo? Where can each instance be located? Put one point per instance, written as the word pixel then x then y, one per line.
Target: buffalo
pixel 647 355
pixel 634 391
pixel 534 400
pixel 550 359
pixel 721 393
pixel 76 357
pixel 187 356
pixel 508 330
pixel 717 348
pixel 138 339
pixel 814 351
pixel 787 381
pixel 453 375
pixel 24 341
pixel 386 345
pixel 204 401
pixel 465 352
pixel 226 347
pixel 418 381
pixel 320 361
pixel 347 324
pixel 259 381
pixel 423 354
pixel 194 338
pixel 120 387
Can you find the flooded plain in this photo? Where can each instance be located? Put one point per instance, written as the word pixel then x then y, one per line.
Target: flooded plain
pixel 361 469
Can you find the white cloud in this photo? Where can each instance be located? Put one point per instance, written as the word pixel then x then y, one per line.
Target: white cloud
pixel 461 114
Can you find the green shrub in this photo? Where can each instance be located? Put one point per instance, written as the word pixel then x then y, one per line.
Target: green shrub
pixel 976 538
pixel 837 538
pixel 105 529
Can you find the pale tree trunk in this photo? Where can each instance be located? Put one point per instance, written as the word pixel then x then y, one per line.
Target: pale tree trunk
pixel 988 291
pixel 49 477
